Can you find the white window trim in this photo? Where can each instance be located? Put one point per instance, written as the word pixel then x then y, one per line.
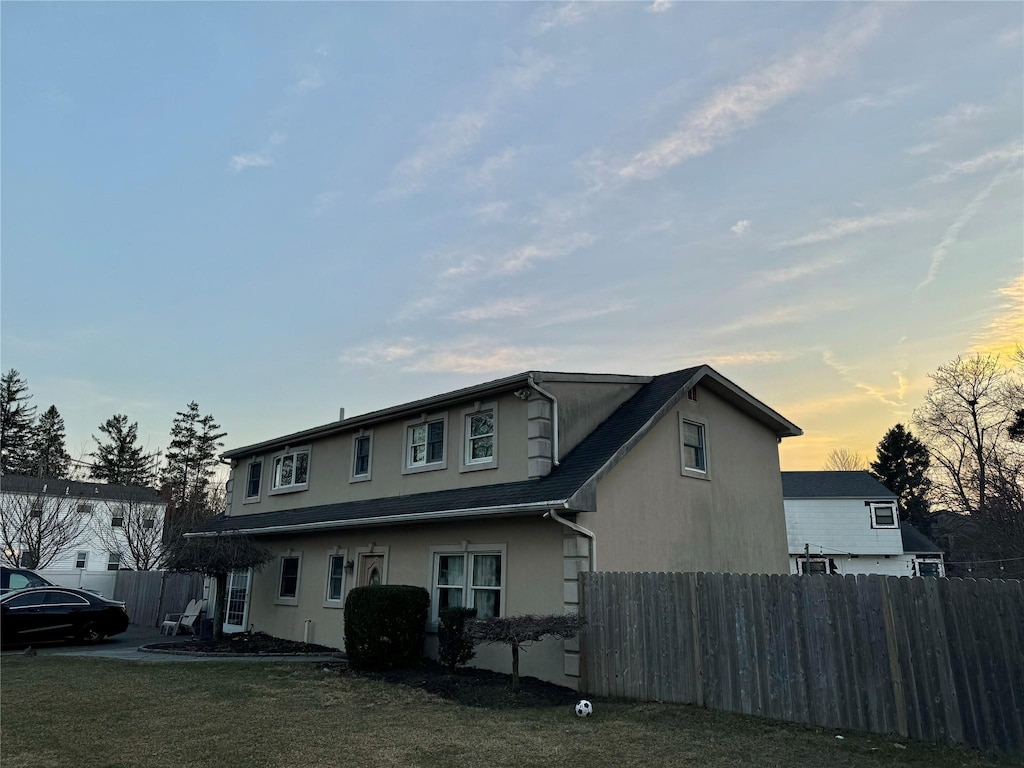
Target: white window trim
pixel 931 559
pixel 888 505
pixel 465 464
pixel 85 560
pixel 410 469
pixel 802 561
pixel 111 562
pixel 342 553
pixel 118 515
pixel 352 476
pixel 294 487
pixel 246 498
pixel 685 471
pixel 465 548
pixel 278 600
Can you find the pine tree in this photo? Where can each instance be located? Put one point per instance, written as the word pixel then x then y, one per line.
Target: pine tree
pixel 17 424
pixel 902 467
pixel 191 464
pixel 122 460
pixel 49 454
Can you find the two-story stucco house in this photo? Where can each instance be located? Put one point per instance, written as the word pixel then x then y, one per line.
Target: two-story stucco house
pixel 849 523
pixel 498 495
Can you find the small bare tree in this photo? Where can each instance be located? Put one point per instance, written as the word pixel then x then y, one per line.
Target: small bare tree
pixel 844 460
pixel 134 528
pixel 519 631
pixel 37 528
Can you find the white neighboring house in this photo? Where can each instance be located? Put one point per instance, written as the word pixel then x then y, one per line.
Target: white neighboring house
pixel 102 547
pixel 848 523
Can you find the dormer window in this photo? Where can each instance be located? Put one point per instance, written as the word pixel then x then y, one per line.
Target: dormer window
pixel 883 515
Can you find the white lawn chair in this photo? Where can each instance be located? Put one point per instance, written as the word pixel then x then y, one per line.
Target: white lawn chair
pixel 176 622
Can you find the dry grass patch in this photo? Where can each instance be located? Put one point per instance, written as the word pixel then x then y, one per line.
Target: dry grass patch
pixel 61 711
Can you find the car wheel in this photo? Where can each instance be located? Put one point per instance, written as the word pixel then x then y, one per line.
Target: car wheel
pixel 90 633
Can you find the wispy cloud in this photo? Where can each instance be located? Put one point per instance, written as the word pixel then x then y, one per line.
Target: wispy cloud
pixel 492 211
pixel 1005 331
pixel 483 176
pixel 520 258
pixel 923 148
pixel 796 271
pixel 1010 153
pixel 893 395
pixel 959 115
pixel 759 357
pixel 381 352
pixel 740 227
pixel 836 229
pixel 1010 36
pixel 561 15
pixel 659 6
pixel 952 233
pixel 785 315
pixel 887 98
pixel 464 355
pixel 311 80
pixel 503 309
pixel 240 163
pixel 738 106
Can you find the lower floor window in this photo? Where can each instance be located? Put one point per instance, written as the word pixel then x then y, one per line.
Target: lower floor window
pixel 113 561
pixel 81 559
pixel 336 578
pixel 929 568
pixel 289 587
pixel 816 565
pixel 471 580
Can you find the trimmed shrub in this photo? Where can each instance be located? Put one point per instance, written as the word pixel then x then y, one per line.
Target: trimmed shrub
pixel 454 646
pixel 385 625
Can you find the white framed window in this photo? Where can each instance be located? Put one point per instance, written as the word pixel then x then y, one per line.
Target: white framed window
pixel 883 515
pixel 334 594
pixel 253 481
pixel 117 519
pixel 473 577
pixel 821 566
pixel 84 509
pixel 693 447
pixel 149 521
pixel 81 559
pixel 291 471
pixel 37 509
pixel 480 437
pixel 113 561
pixel 426 444
pixel 289 570
pixel 928 566
pixel 362 456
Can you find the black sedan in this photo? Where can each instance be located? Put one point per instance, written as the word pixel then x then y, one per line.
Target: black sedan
pixel 56 613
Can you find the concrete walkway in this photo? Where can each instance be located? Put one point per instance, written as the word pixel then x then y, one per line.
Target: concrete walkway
pixel 126 647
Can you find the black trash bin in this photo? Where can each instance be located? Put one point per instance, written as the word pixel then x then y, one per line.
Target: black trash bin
pixel 206 630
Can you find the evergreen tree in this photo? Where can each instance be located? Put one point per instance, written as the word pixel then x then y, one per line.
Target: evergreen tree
pixel 902 466
pixel 17 425
pixel 190 467
pixel 122 460
pixel 49 454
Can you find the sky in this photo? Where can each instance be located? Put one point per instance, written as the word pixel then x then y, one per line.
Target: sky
pixel 277 210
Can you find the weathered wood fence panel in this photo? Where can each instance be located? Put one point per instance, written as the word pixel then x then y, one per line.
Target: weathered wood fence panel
pixel 938 660
pixel 149 595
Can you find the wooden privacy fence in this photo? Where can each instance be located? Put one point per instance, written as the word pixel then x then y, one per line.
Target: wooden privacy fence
pixel 938 660
pixel 149 595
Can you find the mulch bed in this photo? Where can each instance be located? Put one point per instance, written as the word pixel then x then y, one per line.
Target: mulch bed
pixel 476 687
pixel 244 643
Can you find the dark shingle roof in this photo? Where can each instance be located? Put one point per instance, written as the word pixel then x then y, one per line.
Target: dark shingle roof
pixel 833 485
pixel 569 484
pixel 916 542
pixel 578 467
pixel 54 486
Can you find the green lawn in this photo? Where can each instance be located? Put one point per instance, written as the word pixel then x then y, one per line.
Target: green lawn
pixel 59 711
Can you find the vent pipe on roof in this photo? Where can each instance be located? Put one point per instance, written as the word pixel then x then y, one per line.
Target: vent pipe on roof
pixel 341 414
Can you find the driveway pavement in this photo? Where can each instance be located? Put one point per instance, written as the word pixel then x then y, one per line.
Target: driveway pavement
pixel 126 646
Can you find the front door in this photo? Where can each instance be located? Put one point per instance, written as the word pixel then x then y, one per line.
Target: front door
pixel 236 607
pixel 371 570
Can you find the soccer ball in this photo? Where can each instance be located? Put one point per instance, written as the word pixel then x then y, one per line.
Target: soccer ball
pixel 584 708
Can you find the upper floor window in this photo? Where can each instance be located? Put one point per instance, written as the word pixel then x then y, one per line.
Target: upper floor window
pixel 480 437
pixel 425 444
pixel 694 447
pixel 117 519
pixel 149 520
pixel 37 509
pixel 253 481
pixel 362 445
pixel 884 515
pixel 85 509
pixel 291 470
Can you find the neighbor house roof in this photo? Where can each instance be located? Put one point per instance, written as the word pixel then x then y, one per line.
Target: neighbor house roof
pixel 54 486
pixel 570 485
pixel 833 485
pixel 916 542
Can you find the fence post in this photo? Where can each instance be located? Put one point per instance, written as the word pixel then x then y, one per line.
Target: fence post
pixel 895 667
pixel 698 653
pixel 160 600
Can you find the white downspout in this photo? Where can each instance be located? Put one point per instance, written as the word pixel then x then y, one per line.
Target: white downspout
pixel 579 529
pixel 554 416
